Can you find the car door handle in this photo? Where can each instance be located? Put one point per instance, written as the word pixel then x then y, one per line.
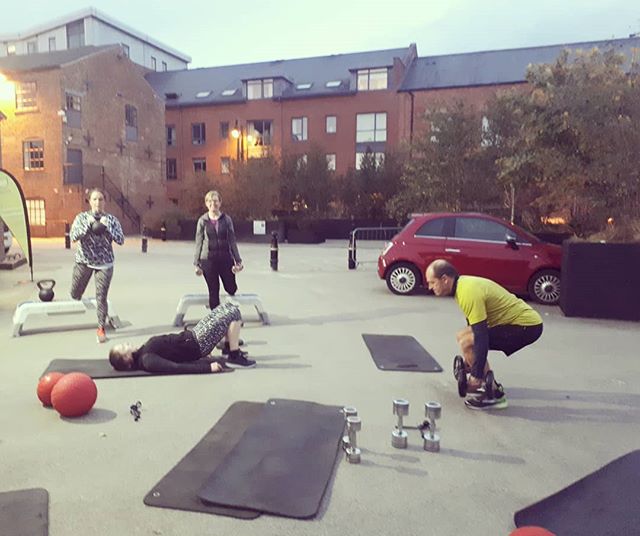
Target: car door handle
pixel 452 250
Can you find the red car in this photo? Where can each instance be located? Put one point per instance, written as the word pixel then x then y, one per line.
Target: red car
pixel 476 244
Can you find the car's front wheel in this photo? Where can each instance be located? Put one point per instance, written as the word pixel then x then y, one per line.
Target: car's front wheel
pixel 403 278
pixel 544 287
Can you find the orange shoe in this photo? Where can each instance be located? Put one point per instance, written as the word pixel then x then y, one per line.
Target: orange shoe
pixel 101 335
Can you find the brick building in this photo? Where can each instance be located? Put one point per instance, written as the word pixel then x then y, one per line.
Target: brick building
pixel 76 119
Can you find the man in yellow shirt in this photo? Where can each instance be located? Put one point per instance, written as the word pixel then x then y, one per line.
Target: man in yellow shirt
pixel 496 320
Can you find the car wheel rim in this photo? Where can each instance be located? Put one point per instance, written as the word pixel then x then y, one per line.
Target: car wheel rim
pixel 403 280
pixel 547 288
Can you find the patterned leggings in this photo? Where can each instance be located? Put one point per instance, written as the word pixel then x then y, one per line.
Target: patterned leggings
pixel 213 327
pixel 79 281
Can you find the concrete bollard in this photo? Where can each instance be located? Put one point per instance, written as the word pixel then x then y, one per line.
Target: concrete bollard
pixel 163 232
pixel 274 251
pixel 352 252
pixel 144 239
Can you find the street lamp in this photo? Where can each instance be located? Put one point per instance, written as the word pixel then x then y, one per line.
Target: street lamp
pixel 238 134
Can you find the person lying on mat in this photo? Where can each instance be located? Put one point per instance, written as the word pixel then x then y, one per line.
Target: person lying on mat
pixel 496 320
pixel 180 353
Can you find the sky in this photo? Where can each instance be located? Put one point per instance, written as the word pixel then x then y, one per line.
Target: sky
pixel 223 33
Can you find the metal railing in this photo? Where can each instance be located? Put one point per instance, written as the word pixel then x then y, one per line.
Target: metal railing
pixel 368 252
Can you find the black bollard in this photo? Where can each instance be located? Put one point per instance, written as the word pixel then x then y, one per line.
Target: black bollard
pixel 274 251
pixel 144 239
pixel 67 238
pixel 163 232
pixel 352 251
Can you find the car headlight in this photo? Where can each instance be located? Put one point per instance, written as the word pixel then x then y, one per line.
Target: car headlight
pixel 386 249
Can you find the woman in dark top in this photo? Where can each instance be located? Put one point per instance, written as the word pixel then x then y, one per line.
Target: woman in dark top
pixel 216 253
pixel 183 353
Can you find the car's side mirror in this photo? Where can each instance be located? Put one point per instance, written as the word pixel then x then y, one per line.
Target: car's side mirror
pixel 511 240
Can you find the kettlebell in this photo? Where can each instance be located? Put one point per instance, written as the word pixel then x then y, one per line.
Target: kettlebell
pixel 97 227
pixel 46 289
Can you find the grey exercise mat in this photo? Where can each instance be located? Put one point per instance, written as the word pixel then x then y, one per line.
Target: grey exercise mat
pixel 179 488
pixel 400 353
pixel 283 462
pixel 101 368
pixel 24 512
pixel 604 503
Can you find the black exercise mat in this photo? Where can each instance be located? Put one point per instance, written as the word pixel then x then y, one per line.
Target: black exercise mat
pixel 400 353
pixel 101 368
pixel 283 462
pixel 24 512
pixel 604 503
pixel 179 488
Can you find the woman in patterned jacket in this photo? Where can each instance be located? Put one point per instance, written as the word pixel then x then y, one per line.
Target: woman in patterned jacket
pixel 94 231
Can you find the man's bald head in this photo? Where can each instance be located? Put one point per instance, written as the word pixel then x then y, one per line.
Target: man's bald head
pixel 441 275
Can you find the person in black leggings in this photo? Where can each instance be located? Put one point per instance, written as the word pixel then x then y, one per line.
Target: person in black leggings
pixel 183 353
pixel 216 255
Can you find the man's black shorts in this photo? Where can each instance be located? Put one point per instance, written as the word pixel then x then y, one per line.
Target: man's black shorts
pixel 510 338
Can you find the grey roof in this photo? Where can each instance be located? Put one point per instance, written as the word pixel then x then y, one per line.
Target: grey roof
pixel 47 60
pixel 316 71
pixel 495 66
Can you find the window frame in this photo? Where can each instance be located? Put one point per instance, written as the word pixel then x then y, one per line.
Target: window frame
pixel 376 132
pixel 172 140
pixel 171 165
pixel 202 138
pixel 265 86
pixel 33 154
pixel 225 165
pixel 131 122
pixel 26 99
pixel 331 162
pixel 335 124
pixel 37 212
pixel 302 133
pixel 200 161
pixel 364 78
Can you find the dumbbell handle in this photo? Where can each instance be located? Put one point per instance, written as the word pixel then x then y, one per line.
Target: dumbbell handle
pixel 352 437
pixel 400 424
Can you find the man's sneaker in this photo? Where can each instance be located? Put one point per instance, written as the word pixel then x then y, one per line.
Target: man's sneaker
pixel 483 403
pixel 101 335
pixel 238 359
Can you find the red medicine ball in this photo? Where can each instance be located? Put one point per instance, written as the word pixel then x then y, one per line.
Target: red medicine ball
pixel 531 531
pixel 45 385
pixel 74 395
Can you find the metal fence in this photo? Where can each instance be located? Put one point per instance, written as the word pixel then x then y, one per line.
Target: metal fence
pixel 366 243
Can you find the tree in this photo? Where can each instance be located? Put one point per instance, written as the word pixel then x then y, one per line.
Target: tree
pixel 253 188
pixel 306 181
pixel 450 168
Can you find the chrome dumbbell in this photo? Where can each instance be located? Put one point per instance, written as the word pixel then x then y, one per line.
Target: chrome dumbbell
pixel 354 425
pixel 348 411
pixel 433 411
pixel 399 436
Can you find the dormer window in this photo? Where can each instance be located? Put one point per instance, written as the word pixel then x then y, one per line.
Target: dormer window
pixel 333 83
pixel 229 92
pixel 372 79
pixel 171 96
pixel 203 94
pixel 260 89
pixel 304 86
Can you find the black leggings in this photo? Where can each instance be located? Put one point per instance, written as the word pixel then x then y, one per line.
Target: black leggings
pixel 214 270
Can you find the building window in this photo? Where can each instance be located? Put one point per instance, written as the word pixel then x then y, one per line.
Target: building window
pixel 32 47
pixel 126 50
pixel 331 162
pixel 33 155
pixel 198 134
pixel 259 132
pixel 260 89
pixel 199 165
pixel 73 109
pixel 225 165
pixel 36 212
pixel 224 130
pixel 299 128
pixel 131 122
pixel 378 159
pixel 331 124
pixel 26 93
pixel 372 79
pixel 154 64
pixel 371 127
pixel 301 162
pixel 75 34
pixel 11 49
pixel 172 169
pixel 164 65
pixel 73 167
pixel 52 44
pixel 172 140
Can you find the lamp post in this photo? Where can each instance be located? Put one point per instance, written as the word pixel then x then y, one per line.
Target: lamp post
pixel 238 134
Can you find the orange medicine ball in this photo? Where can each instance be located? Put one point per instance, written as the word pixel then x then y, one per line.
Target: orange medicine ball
pixel 45 386
pixel 74 395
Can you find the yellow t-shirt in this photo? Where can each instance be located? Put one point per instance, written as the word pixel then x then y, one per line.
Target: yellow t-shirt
pixel 482 299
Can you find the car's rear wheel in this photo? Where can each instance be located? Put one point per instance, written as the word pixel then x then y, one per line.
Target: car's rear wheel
pixel 403 278
pixel 544 287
